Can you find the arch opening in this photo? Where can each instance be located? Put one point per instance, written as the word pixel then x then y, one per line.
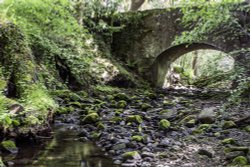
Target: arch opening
pixel 201 68
pixel 194 64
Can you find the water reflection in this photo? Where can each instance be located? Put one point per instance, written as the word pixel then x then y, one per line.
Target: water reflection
pixel 64 150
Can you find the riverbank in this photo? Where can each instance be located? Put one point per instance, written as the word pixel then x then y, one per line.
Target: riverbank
pixel 147 129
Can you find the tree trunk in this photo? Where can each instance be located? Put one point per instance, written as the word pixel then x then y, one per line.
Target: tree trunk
pixel 194 63
pixel 136 4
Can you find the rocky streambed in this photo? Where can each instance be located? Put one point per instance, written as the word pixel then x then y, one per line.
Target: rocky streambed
pixel 143 129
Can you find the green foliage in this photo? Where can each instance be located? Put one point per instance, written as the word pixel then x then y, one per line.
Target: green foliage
pixel 205 17
pixel 42 16
pixel 38 102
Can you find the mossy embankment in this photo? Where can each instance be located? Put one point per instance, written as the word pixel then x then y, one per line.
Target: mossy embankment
pixel 46 54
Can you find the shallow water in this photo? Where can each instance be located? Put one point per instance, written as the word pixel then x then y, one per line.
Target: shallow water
pixel 64 150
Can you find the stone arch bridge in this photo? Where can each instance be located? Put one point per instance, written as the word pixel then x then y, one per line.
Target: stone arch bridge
pixel 146 42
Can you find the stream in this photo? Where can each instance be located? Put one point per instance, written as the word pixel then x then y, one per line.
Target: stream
pixel 64 149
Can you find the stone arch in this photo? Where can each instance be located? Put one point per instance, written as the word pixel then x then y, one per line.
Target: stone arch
pixel 162 62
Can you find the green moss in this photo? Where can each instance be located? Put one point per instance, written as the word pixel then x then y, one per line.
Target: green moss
pixel 90 111
pixel 131 155
pixel 62 110
pixel 240 160
pixel 32 120
pixel 121 104
pixel 164 111
pixel 9 145
pixel 247 128
pixel 187 118
pixel 145 106
pixel 190 123
pixel 204 127
pixel 122 96
pixel 100 126
pixel 232 149
pixel 106 89
pixel 118 112
pixel 228 124
pixel 137 138
pixel 201 129
pixel 151 95
pixel 110 97
pixel 95 135
pixel 15 122
pixel 135 119
pixel 1 162
pixel 164 124
pixel 116 119
pixel 76 104
pixel 228 141
pixel 90 118
pixel 168 103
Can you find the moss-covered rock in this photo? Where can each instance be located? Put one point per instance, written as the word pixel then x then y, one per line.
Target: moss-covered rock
pixel 137 138
pixel 9 146
pixel 151 95
pixel 167 103
pixel 122 96
pixel 187 118
pixel 95 135
pixel 134 118
pixel 131 155
pixel 90 118
pixel 190 123
pixel 228 141
pixel 100 126
pixel 164 124
pixel 145 106
pixel 240 148
pixel 121 104
pixel 1 162
pixel 228 125
pixel 116 119
pixel 201 129
pixel 247 128
pixel 164 111
pixel 239 161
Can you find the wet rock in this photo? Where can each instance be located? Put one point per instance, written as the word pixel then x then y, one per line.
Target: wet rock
pixel 147 154
pixel 232 155
pixel 131 155
pixel 207 116
pixel 117 162
pixel 166 142
pixel 146 164
pixel 133 164
pixel 119 146
pixel 208 153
